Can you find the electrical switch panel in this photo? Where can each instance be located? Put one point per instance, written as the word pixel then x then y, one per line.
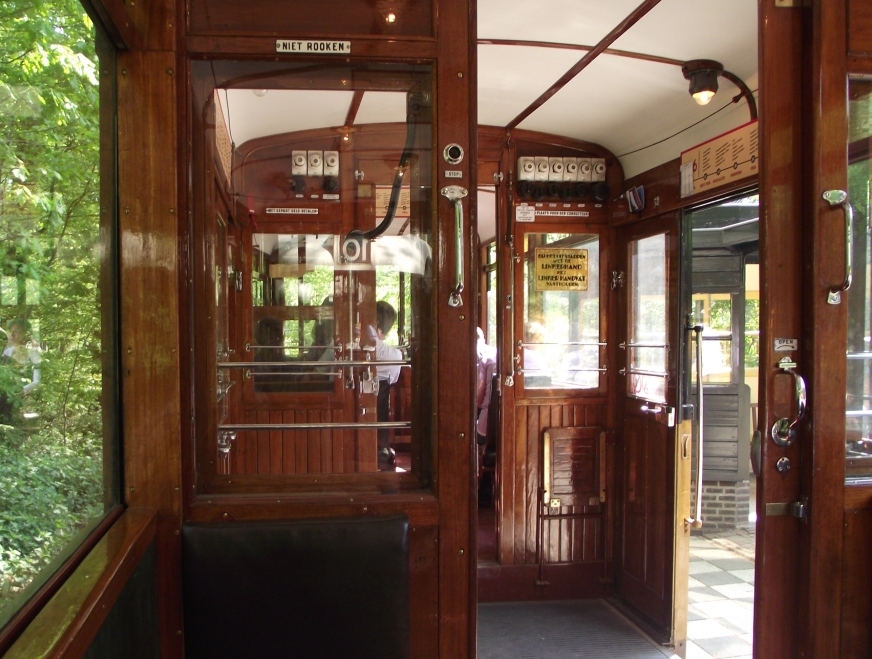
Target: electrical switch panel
pixel 316 163
pixel 299 163
pixel 543 169
pixel 599 169
pixel 331 163
pixel 526 168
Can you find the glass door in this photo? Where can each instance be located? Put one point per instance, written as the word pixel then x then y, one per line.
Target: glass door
pixel 655 445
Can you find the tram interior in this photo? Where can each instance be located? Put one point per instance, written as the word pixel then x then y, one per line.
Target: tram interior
pixel 319 218
pixel 315 238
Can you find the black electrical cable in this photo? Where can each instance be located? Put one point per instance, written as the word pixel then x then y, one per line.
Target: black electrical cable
pixel 414 103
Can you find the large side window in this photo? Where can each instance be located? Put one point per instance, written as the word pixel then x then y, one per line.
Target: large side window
pixel 58 463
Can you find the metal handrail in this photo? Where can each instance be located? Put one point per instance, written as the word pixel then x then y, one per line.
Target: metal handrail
pixel 348 425
pixel 696 520
pixel 601 344
pixel 337 362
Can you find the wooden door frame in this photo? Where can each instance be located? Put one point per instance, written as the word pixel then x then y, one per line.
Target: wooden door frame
pixel 798 568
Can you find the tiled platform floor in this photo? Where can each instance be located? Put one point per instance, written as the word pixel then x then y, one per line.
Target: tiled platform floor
pixel 720 613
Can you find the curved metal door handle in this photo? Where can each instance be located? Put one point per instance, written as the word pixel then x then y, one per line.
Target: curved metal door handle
pixel 840 198
pixel 783 431
pixel 454 194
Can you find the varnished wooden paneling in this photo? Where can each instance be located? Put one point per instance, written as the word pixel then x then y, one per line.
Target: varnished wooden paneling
pixel 150 304
pixel 662 182
pixel 455 334
pixel 69 622
pixel 344 18
pixel 312 451
pixel 563 538
pixel 149 280
pixel 781 140
pixel 856 630
pixel 859 29
pixel 824 330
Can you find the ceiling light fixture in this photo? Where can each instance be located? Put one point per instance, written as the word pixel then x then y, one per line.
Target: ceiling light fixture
pixel 703 75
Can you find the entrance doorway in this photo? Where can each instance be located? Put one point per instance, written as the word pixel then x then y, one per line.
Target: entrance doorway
pixel 721 267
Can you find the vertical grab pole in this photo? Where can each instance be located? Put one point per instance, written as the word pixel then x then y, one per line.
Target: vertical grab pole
pixel 454 194
pixel 696 520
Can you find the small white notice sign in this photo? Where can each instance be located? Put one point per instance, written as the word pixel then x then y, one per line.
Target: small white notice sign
pixel 525 214
pixel 785 345
pixel 310 47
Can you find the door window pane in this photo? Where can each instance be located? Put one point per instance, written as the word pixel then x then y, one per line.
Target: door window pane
pixel 326 306
pixel 647 347
pixel 561 346
pixel 858 448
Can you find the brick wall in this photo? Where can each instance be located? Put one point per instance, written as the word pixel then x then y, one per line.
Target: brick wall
pixel 725 504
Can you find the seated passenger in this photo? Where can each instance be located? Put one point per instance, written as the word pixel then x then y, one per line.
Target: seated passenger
pixel 269 338
pixel 386 315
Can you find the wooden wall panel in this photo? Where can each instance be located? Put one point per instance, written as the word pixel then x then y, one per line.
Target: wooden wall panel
pixel 314 451
pixel 150 303
pixel 859 28
pixel 343 18
pixel 856 633
pixel 566 536
pixel 781 141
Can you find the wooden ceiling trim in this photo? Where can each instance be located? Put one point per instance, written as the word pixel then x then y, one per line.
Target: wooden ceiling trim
pixel 610 38
pixel 356 100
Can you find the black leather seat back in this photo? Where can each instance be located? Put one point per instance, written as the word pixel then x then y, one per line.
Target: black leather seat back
pixel 325 588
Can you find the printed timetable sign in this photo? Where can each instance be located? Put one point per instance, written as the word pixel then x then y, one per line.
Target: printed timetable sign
pixel 722 160
pixel 561 269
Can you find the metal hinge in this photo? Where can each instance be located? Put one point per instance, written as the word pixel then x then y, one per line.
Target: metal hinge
pixel 617 279
pixel 798 509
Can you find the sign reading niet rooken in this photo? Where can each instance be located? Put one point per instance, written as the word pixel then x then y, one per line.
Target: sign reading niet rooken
pixel 560 269
pixel 313 47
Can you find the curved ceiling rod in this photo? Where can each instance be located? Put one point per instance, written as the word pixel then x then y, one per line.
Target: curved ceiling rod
pixel 746 93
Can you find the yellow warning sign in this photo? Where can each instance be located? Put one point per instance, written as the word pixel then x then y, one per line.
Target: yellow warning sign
pixel 561 269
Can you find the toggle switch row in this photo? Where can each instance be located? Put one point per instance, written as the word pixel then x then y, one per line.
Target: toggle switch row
pixel 571 191
pixel 315 163
pixel 549 168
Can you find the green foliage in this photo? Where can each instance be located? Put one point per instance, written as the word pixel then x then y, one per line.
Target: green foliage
pixel 752 341
pixel 48 495
pixel 720 315
pixel 50 263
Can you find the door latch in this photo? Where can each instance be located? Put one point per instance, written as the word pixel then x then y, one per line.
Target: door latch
pixel 798 509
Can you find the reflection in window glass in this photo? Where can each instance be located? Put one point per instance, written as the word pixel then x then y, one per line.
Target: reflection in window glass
pixel 647 347
pixel 859 297
pixel 561 333
pixel 329 366
pixel 56 292
pixel 293 321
